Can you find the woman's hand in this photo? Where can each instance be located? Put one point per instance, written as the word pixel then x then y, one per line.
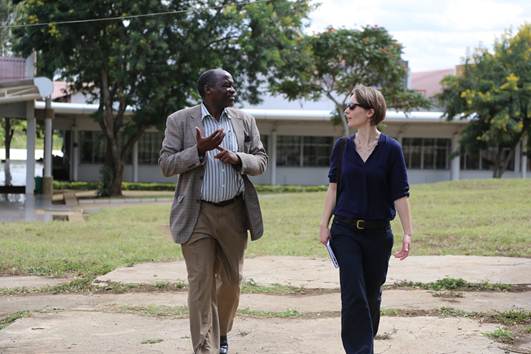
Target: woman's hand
pixel 404 252
pixel 324 234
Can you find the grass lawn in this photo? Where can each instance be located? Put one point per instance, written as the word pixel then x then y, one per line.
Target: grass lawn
pixel 486 217
pixel 19 139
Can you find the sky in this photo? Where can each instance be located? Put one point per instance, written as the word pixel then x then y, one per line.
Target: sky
pixel 435 34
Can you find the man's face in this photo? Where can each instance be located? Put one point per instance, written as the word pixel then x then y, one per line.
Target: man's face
pixel 222 93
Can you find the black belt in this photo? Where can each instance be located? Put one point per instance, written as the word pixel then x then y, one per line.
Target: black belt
pixel 362 224
pixel 225 202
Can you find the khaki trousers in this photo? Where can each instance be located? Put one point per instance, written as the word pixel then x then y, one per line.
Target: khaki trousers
pixel 214 261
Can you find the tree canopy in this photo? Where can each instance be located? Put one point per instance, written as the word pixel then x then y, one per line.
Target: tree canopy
pixel 331 63
pixel 493 91
pixel 5 19
pixel 151 63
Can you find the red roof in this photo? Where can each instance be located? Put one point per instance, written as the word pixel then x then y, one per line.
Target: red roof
pixel 60 89
pixel 429 82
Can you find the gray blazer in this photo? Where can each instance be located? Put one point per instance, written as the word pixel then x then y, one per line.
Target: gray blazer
pixel 179 156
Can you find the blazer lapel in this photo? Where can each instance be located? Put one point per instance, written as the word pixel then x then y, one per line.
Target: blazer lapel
pixel 196 121
pixel 239 130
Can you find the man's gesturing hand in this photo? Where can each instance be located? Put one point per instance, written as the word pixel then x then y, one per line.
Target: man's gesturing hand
pixel 210 142
pixel 227 156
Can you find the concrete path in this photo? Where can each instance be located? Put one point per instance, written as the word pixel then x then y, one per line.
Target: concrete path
pixel 312 273
pixel 96 332
pixel 319 273
pixel 115 323
pixel 12 282
pixel 392 299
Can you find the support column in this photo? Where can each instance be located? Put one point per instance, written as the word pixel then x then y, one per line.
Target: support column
pixel 30 147
pixel 47 180
pixel 456 159
pixel 525 151
pixel 135 162
pixel 75 152
pixel 273 151
pixel 517 159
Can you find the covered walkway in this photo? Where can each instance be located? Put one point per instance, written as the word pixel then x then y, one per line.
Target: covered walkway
pixel 18 91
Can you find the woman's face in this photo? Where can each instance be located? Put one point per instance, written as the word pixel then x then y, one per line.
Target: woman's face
pixel 356 115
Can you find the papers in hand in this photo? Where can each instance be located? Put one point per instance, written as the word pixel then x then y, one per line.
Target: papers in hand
pixel 331 254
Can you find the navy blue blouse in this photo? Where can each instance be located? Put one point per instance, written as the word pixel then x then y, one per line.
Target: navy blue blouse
pixel 369 189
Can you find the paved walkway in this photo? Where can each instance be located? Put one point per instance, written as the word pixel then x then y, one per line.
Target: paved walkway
pixel 315 273
pixel 97 332
pixel 150 322
pixel 392 299
pixel 319 273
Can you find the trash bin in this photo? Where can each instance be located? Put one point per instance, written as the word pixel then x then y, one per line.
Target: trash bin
pixel 38 185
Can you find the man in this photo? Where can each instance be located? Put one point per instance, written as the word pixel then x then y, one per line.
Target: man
pixel 213 148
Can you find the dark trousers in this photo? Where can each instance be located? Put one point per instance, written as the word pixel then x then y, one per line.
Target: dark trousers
pixel 363 258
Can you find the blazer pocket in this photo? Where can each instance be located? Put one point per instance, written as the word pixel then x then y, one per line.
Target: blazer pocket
pixel 246 143
pixel 180 198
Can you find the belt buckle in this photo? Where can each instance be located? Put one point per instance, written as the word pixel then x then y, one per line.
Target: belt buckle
pixel 360 224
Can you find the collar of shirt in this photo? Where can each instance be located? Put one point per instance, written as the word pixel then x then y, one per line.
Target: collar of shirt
pixel 206 113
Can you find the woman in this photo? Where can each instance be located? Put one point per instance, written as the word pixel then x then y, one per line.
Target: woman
pixel 368 185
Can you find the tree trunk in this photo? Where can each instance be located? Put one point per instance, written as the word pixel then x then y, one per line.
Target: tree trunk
pixel 113 170
pixel 8 137
pixel 7 172
pixel 496 164
pixel 344 124
pixel 502 162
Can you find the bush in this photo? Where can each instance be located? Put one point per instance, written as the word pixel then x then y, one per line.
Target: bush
pixel 151 186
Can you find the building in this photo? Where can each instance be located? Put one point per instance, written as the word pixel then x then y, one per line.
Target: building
pixel 298 137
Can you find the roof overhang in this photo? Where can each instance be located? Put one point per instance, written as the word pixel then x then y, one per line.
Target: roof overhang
pixel 25 90
pixel 75 108
pixel 323 115
pixel 278 115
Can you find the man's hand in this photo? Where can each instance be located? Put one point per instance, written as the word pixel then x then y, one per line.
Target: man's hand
pixel 209 143
pixel 228 156
pixel 404 252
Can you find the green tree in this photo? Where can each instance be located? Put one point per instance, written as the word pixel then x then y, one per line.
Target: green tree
pixel 493 91
pixel 151 63
pixel 5 18
pixel 331 63
pixel 8 125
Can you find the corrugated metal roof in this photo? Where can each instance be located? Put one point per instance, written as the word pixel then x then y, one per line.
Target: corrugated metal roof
pixel 12 68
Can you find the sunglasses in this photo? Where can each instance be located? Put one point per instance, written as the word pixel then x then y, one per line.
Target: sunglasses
pixel 352 106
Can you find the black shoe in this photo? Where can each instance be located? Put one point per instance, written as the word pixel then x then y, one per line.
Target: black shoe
pixel 223 345
pixel 224 348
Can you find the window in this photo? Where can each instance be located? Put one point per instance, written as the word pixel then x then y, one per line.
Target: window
pixel 316 150
pixel 442 159
pixel 92 147
pixel 427 153
pixel 307 151
pixel 482 160
pixel 469 160
pixel 488 156
pixel 149 148
pixel 412 148
pixel 288 151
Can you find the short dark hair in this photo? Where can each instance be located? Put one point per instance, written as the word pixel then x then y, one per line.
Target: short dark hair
pixel 371 98
pixel 207 78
